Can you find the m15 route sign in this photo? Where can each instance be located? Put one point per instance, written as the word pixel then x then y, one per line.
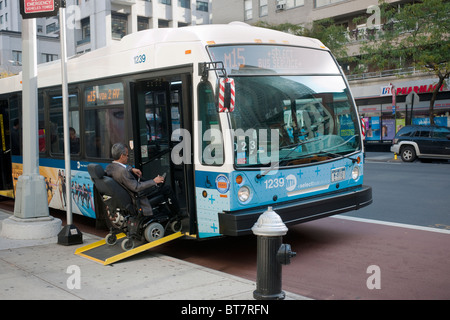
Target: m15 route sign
pixel 30 9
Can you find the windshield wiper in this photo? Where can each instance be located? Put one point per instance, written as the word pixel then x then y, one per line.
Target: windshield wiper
pixel 337 156
pixel 294 147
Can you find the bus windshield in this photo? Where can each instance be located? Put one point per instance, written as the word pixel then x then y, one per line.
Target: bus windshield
pixel 293 106
pixel 296 119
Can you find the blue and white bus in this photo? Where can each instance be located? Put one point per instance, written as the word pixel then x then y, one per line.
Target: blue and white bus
pixel 239 117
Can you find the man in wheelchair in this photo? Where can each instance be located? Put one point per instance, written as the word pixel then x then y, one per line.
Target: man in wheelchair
pixel 139 208
pixel 130 178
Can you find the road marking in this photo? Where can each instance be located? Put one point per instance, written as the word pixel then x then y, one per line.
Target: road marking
pixel 392 224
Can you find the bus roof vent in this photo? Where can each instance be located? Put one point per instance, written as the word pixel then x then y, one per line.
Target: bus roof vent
pixel 239 23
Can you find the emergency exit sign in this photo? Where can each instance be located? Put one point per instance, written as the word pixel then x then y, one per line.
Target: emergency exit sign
pixel 30 9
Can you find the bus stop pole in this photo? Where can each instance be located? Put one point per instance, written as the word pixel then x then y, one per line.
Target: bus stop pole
pixel 70 234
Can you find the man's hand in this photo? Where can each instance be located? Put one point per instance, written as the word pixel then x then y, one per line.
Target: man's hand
pixel 159 179
pixel 136 172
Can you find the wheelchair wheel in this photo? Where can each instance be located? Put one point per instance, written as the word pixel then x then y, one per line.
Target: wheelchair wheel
pixel 154 231
pixel 111 239
pixel 127 244
pixel 176 226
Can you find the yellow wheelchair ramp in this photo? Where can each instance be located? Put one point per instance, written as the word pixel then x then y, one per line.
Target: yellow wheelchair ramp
pixel 107 254
pixel 7 193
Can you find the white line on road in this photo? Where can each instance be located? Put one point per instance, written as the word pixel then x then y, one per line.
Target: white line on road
pixel 392 224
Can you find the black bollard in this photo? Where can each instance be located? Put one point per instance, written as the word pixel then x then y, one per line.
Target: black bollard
pixel 271 255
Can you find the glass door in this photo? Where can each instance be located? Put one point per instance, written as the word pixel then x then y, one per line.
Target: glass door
pixel 153 132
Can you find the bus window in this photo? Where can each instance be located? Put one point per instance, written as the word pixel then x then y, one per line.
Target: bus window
pixel 104 119
pixel 57 124
pixel 212 145
pixel 153 116
pixel 15 104
pixel 6 184
pixel 103 128
pixel 41 128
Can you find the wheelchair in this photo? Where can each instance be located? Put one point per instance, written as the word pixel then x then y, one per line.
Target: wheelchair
pixel 123 213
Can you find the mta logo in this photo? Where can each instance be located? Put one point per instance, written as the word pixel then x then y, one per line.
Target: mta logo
pixel 291 182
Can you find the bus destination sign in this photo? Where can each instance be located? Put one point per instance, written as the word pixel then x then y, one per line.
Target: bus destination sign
pixel 104 95
pixel 272 59
pixel 30 9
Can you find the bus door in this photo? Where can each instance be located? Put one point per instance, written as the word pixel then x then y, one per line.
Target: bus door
pixel 6 185
pixel 157 114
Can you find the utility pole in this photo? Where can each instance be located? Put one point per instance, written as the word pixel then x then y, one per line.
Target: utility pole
pixel 31 218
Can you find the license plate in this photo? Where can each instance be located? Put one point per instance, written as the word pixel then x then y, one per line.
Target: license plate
pixel 337 174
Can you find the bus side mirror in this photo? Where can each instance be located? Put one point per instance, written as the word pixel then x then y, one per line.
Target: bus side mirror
pixel 227 96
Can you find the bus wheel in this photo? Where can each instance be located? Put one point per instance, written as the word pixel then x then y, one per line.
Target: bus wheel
pixel 154 231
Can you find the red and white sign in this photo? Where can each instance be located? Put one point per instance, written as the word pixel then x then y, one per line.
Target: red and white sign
pixel 39 6
pixel 363 128
pixel 222 83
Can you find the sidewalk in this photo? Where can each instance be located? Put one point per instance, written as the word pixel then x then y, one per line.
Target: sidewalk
pixel 44 270
pixel 381 157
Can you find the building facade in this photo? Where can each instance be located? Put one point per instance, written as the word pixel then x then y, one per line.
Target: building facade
pixel 11 37
pixel 99 23
pixel 94 24
pixel 382 114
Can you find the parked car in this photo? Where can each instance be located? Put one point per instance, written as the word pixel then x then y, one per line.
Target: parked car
pixel 419 141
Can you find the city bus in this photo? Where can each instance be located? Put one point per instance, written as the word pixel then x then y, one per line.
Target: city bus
pixel 239 118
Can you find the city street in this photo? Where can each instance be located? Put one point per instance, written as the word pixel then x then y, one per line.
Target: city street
pixel 405 233
pixel 404 236
pixel 411 193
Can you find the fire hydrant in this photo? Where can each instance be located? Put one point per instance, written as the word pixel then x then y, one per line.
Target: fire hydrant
pixel 271 255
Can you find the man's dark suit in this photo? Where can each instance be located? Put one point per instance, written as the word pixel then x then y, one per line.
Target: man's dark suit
pixel 124 176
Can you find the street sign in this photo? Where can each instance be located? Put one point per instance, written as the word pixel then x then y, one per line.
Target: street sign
pixel 30 9
pixel 412 98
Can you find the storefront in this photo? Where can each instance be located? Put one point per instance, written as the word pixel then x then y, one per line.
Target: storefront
pixel 384 113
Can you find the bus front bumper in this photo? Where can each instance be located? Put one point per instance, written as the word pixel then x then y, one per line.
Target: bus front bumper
pixel 237 223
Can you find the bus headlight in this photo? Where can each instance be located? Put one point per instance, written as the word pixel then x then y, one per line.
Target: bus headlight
pixel 355 173
pixel 244 194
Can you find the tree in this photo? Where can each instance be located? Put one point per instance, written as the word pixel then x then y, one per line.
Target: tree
pixel 416 35
pixel 5 74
